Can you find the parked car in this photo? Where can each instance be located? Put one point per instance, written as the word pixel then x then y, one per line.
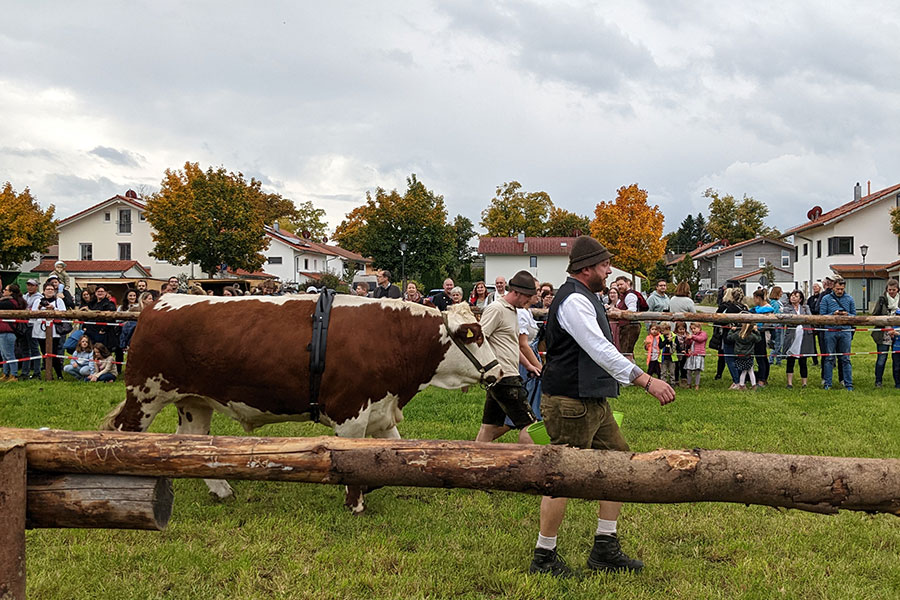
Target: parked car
pixel 704 294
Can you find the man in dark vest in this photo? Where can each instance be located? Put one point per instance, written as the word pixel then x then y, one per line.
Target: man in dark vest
pixel 385 289
pixel 583 369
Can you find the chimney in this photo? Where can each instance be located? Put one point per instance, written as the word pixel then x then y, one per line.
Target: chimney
pixel 857 191
pixel 521 238
pixel 869 188
pixel 275 226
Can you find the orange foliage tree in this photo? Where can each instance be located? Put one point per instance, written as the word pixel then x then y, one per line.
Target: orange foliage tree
pixel 631 229
pixel 25 228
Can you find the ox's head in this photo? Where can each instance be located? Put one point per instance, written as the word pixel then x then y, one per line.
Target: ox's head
pixel 469 359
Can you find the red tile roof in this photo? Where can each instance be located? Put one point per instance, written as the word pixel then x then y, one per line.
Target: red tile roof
pixel 305 245
pixel 117 198
pixel 756 240
pixel 843 210
pixel 540 246
pixel 92 266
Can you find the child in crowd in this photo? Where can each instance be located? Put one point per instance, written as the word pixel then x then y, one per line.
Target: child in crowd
pixel 81 365
pixel 744 340
pixel 106 369
pixel 651 345
pixel 697 359
pixel 681 351
pixel 667 351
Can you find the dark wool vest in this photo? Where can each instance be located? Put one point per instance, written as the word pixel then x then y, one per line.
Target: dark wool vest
pixel 570 371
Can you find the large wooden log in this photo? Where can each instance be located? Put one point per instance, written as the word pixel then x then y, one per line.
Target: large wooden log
pixel 76 315
pixel 781 318
pixel 101 501
pixel 12 520
pixel 818 484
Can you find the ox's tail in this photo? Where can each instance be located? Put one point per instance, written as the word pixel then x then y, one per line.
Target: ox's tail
pixel 109 421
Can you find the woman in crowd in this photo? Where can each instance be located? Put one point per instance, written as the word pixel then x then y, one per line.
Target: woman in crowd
pixel 798 341
pixel 81 365
pixel 887 304
pixel 612 299
pixel 85 299
pixel 130 302
pixel 106 370
pixel 228 291
pixel 412 294
pixel 681 301
pixel 777 332
pixel 456 295
pixel 48 301
pixel 760 306
pixel 479 295
pixel 12 299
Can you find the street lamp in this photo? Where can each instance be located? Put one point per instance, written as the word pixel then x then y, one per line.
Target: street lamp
pixel 865 250
pixel 403 265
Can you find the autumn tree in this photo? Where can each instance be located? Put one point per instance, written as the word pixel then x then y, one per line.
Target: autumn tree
pixel 736 221
pixel 25 229
pixel 417 217
pixel 211 218
pixel 513 211
pixel 306 218
pixel 564 223
pixel 630 229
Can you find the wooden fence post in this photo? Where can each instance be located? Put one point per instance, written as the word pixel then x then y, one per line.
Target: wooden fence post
pixel 12 520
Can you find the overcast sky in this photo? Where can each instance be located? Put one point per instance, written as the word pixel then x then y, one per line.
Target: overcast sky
pixel 789 102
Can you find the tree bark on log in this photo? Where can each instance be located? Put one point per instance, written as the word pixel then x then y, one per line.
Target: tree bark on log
pixel 12 519
pixel 99 501
pixel 812 483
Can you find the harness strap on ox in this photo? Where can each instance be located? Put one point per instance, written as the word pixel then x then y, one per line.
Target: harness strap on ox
pixel 482 369
pixel 316 349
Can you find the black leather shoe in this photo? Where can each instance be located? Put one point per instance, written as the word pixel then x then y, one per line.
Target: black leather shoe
pixel 607 555
pixel 548 561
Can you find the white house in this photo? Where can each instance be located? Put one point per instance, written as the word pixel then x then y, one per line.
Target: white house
pixel 297 260
pixel 544 257
pixel 831 242
pixel 114 231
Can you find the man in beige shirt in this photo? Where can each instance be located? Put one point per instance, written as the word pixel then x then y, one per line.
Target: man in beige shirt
pixel 499 324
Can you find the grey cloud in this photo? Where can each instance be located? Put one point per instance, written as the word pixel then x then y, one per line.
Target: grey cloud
pixel 28 152
pixel 118 157
pixel 63 184
pixel 403 58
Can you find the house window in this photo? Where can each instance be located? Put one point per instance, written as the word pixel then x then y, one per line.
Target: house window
pixel 306 264
pixel 739 259
pixel 805 249
pixel 124 220
pixel 274 260
pixel 762 261
pixel 785 258
pixel 142 217
pixel 315 265
pixel 840 245
pixel 106 216
pixel 125 251
pixel 533 262
pixel 86 251
pixel 818 248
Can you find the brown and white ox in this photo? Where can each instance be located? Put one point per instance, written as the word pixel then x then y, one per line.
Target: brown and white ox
pixel 248 358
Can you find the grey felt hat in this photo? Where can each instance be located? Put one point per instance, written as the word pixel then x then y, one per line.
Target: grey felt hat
pixel 586 252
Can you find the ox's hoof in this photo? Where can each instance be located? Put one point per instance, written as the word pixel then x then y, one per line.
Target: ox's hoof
pixel 354 500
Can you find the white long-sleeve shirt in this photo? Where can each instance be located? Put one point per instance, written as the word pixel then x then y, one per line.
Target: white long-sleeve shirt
pixel 578 318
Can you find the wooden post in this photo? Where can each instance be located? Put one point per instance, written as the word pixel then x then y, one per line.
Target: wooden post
pixel 812 483
pixel 12 520
pixel 103 501
pixel 48 349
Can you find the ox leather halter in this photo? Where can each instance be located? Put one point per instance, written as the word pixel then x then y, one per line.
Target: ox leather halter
pixel 482 369
pixel 316 348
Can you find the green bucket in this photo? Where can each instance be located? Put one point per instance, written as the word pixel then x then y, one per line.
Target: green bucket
pixel 539 435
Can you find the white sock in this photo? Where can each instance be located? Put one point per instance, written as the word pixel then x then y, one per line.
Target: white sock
pixel 547 543
pixel 605 527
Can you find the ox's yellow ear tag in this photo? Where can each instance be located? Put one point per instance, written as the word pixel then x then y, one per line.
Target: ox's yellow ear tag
pixel 469 333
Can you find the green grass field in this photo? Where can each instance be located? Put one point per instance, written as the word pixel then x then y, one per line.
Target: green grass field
pixel 297 541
